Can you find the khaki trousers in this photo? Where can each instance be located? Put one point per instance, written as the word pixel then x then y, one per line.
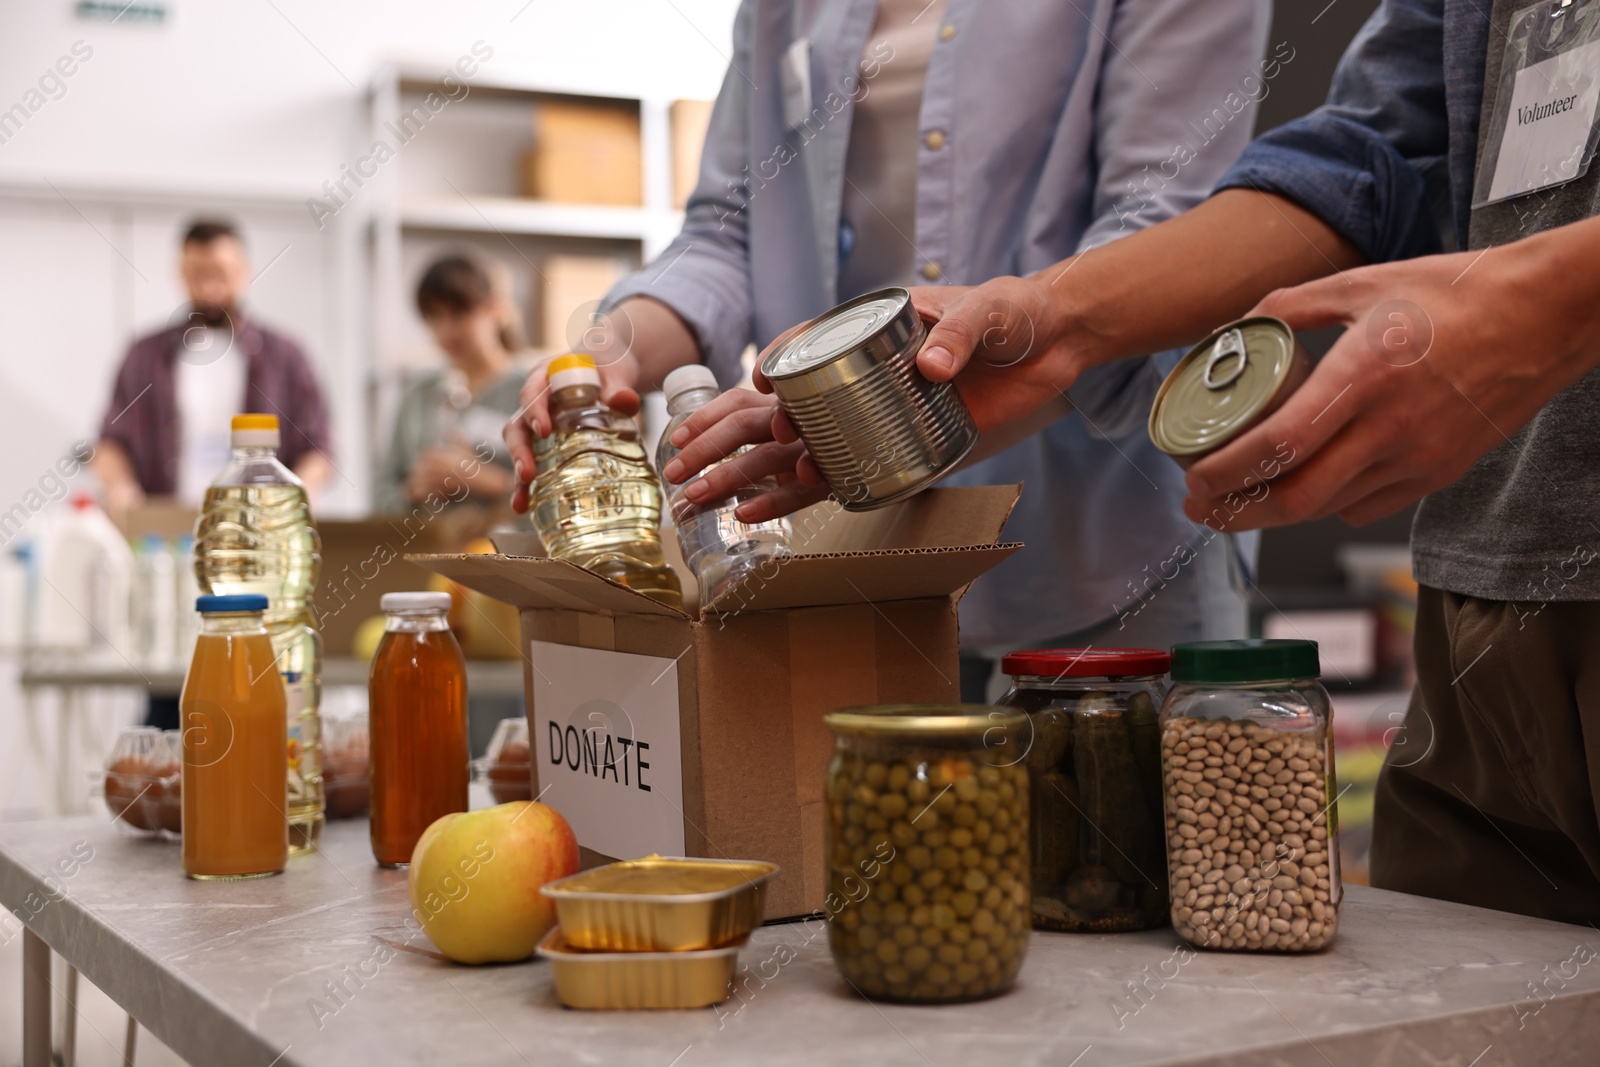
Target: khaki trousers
pixel 1488 797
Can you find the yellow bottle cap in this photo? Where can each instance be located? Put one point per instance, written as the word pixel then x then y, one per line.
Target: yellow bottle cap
pixel 570 361
pixel 255 422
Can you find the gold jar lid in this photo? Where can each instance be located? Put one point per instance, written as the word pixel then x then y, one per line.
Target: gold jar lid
pixel 924 720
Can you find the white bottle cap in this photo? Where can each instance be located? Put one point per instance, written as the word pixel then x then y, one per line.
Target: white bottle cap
pixel 254 431
pixel 414 602
pixel 693 376
pixel 573 369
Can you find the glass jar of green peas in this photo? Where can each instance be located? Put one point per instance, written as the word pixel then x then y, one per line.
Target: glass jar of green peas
pixel 928 850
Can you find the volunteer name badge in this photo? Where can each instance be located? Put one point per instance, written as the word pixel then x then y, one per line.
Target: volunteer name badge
pixel 1547 125
pixel 605 727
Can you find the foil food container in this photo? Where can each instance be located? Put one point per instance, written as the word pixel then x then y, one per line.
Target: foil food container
pixel 661 904
pixel 877 429
pixel 634 980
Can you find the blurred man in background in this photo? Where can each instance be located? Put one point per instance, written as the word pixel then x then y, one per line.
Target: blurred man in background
pixel 165 431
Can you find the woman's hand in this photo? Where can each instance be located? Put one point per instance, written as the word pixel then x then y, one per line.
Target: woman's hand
pixel 619 378
pixel 734 420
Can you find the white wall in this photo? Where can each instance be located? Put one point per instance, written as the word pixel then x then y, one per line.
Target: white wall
pixel 246 106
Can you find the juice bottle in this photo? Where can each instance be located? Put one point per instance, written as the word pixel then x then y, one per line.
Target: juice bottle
pixel 417 724
pixel 255 535
pixel 721 550
pixel 235 746
pixel 596 502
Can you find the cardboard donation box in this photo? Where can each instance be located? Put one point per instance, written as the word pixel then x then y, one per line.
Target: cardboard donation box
pixel 658 732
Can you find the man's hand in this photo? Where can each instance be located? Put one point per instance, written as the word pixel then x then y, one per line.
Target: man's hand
pixel 1003 343
pixel 1443 358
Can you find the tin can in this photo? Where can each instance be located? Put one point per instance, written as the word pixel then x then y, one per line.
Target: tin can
pixel 1226 384
pixel 877 429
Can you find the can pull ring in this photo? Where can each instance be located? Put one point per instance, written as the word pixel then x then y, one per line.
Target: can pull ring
pixel 1230 344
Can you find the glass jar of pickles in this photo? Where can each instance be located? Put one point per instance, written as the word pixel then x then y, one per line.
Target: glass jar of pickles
pixel 927 839
pixel 1252 839
pixel 1094 760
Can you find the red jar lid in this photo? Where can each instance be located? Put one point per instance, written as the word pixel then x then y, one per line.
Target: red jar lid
pixel 1086 662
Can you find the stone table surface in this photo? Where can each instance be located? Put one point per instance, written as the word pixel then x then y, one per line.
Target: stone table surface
pixel 246 973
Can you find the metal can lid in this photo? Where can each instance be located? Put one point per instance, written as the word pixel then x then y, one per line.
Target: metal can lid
pixel 850 328
pixel 924 720
pixel 1250 660
pixel 1086 662
pixel 1221 386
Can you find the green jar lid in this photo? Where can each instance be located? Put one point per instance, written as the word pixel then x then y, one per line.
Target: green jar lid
pixel 1252 660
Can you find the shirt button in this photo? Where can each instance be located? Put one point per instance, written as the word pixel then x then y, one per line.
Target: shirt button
pixel 947 31
pixel 931 270
pixel 934 139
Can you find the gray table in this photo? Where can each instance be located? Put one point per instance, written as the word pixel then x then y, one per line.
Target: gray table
pixel 278 972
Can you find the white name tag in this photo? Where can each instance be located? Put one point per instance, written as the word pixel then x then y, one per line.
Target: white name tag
pixel 797 83
pixel 605 728
pixel 1547 128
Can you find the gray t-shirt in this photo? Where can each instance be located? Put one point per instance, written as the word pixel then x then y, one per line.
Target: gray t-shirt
pixel 1523 524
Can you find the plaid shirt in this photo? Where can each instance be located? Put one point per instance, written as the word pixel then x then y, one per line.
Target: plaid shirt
pixel 143 417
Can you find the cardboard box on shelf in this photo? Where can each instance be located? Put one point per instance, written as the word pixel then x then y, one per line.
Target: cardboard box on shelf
pixel 585 153
pixel 658 732
pixel 164 518
pixel 569 289
pixel 689 120
pixel 364 559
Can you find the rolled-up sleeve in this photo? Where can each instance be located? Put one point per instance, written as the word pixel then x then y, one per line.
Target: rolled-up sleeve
pixel 704 274
pixel 1372 161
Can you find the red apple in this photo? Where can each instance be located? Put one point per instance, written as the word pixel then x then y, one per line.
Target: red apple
pixel 475 877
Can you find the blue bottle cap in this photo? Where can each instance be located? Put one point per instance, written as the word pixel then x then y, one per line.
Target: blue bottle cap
pixel 238 602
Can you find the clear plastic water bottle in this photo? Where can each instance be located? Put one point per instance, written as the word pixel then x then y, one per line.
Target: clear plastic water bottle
pixel 156 603
pixel 596 502
pixel 721 550
pixel 255 535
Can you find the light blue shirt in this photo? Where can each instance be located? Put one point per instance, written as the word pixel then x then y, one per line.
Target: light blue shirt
pixel 1065 125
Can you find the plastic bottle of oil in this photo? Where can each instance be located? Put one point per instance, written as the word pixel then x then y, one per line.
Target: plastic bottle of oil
pixel 721 550
pixel 596 501
pixel 255 535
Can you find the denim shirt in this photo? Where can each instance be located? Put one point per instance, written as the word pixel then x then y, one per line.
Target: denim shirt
pixel 1062 124
pixel 1388 160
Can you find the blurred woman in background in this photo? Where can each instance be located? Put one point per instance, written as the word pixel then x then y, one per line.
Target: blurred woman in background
pixel 447 430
